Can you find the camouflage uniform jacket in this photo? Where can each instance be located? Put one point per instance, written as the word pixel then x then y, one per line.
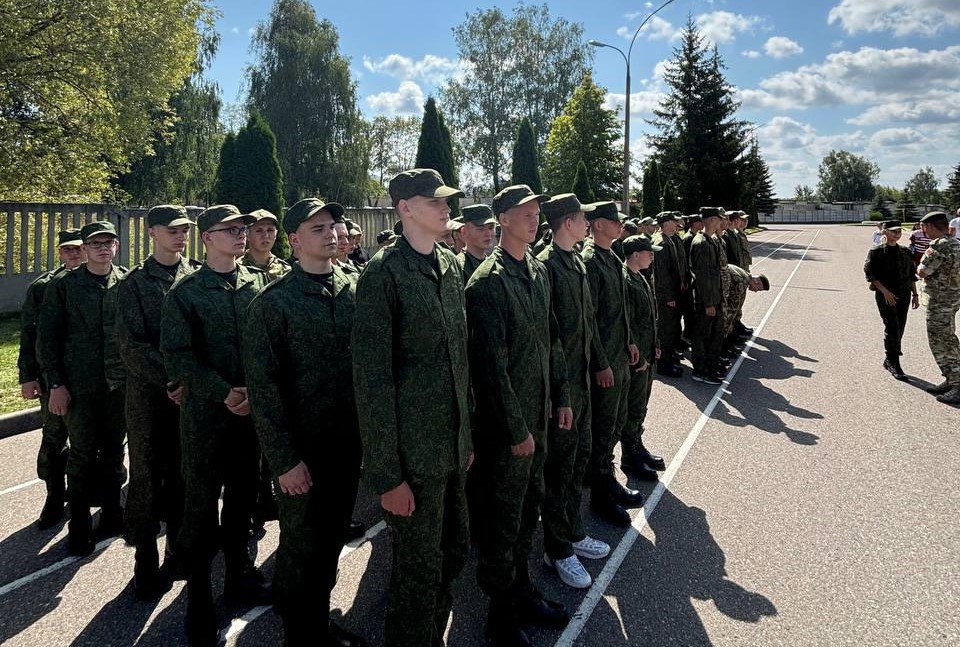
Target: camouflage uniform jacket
pixel 200 329
pixel 705 264
pixel 743 244
pixel 299 374
pixel 468 264
pixel 643 315
pixel 667 268
pixel 516 360
pixel 28 366
pixel 608 288
pixel 941 265
pixel 275 267
pixel 573 311
pixel 731 247
pixel 140 302
pixel 75 344
pixel 410 369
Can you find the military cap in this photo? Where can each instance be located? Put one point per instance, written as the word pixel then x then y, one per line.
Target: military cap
pixel 222 213
pixel 168 215
pixel 606 209
pixel 515 195
pixel 420 181
pixel 385 236
pixel 692 218
pixel 892 225
pixel 355 230
pixel 710 212
pixel 631 227
pixel 98 227
pixel 764 281
pixel 454 224
pixel 666 216
pixel 69 238
pixel 306 208
pixel 478 214
pixel 936 217
pixel 563 204
pixel 260 214
pixel 644 222
pixel 639 243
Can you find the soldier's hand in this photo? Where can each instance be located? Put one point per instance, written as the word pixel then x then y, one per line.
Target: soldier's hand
pixel 644 366
pixel 59 401
pixel 176 396
pixel 915 301
pixel 564 417
pixel 711 311
pixel 634 354
pixel 890 298
pixel 604 378
pixel 30 390
pixel 399 501
pixel 237 402
pixel 525 448
pixel 657 353
pixel 297 481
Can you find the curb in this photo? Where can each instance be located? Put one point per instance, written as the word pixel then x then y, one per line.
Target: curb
pixel 18 422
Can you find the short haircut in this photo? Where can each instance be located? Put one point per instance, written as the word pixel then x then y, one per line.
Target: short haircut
pixel 556 223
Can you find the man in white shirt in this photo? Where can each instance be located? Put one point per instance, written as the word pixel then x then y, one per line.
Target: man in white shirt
pixel 955 226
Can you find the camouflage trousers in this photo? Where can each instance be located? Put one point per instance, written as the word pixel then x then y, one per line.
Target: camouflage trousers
pixel 430 548
pixel 95 426
pixel 53 453
pixel 706 339
pixel 640 387
pixel 609 418
pixel 668 325
pixel 565 466
pixel 942 337
pixel 735 297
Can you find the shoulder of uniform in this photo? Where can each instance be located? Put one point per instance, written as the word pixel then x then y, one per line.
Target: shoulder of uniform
pixel 194 263
pixel 276 286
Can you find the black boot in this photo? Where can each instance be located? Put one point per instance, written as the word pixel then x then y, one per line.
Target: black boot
pixel 632 464
pixel 892 364
pixel 607 509
pixel 533 610
pixel 652 461
pixel 243 584
pixel 201 619
pixel 624 496
pixel 340 637
pixel 149 582
pixel 503 628
pixel 80 530
pixel 52 511
pixel 668 369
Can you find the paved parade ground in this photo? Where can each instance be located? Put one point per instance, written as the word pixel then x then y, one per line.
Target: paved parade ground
pixel 812 500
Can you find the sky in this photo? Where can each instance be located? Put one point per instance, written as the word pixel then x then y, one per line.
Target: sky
pixel 880 78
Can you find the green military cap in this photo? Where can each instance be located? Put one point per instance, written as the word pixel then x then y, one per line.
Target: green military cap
pixel 168 215
pixel 69 238
pixel 355 230
pixel 563 204
pixel 454 224
pixel 936 217
pixel 710 212
pixel 644 222
pixel 478 214
pixel 420 181
pixel 631 227
pixel 260 214
pixel 666 216
pixel 386 236
pixel 692 218
pixel 892 225
pixel 639 243
pixel 515 195
pixel 305 209
pixel 764 281
pixel 98 227
pixel 605 209
pixel 222 213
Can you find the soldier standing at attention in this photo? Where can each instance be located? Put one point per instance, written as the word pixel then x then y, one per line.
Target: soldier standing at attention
pixel 940 271
pixel 52 456
pixel 478 232
pixel 261 238
pixel 297 363
pixel 203 316
pixel 412 384
pixel 343 251
pixel 668 269
pixel 707 320
pixel 519 379
pixel 564 538
pixel 608 289
pixel 73 349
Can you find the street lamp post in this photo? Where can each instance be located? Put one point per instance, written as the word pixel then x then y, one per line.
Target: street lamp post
pixel 626 104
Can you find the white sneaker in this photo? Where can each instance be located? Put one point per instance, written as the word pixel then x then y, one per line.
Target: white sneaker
pixel 590 548
pixel 571 571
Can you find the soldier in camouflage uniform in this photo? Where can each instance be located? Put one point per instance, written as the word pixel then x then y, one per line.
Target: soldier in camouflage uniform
pixel 76 352
pixel 412 384
pixel 668 269
pixel 477 233
pixel 940 271
pixel 343 251
pixel 297 362
pixel 261 238
pixel 155 493
pixel 608 288
pixel 706 331
pixel 52 456
pixel 202 319
pixel 739 257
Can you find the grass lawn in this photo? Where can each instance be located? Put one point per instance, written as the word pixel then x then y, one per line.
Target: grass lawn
pixel 10 399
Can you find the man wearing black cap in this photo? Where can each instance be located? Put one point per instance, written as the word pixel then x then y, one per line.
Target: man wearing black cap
pixel 297 363
pixel 152 400
pixel 608 289
pixel 260 241
pixel 940 271
pixel 668 269
pixel 52 456
pixel 411 380
pixel 203 315
pixel 477 232
pixel 384 238
pixel 694 225
pixel 73 351
pixel 707 321
pixel 889 272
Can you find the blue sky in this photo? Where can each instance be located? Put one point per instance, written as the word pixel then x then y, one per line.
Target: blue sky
pixel 880 78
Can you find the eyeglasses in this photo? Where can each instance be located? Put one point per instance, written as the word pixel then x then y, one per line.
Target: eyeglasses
pixel 103 244
pixel 233 231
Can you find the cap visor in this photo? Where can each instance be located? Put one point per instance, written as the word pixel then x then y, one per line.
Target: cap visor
pixel 245 217
pixel 335 209
pixel 656 248
pixel 539 197
pixel 445 191
pixel 71 243
pixel 180 221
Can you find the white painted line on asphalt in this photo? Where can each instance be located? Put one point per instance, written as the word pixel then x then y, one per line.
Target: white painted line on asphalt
pixel 22 486
pixel 602 581
pixel 772 240
pixel 237 625
pixel 53 568
pixel 753 265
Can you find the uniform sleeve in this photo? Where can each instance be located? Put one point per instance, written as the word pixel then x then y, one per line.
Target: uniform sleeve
pixel 176 345
pixel 598 354
pixel 702 262
pixel 931 261
pixel 560 387
pixel 374 388
pixel 141 358
pixel 51 333
pixel 28 367
pixel 869 267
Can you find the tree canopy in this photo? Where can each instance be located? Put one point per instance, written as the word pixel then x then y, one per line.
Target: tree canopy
pixel 581 185
pixel 845 177
pixel 922 187
pixel 525 168
pixel 435 150
pixel 951 194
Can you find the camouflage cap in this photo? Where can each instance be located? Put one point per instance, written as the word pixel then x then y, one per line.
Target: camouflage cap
pixel 355 230
pixel 168 215
pixel 764 281
pixel 478 214
pixel 261 214
pixel 639 243
pixel 386 236
pixel 515 195
pixel 420 181
pixel 692 218
pixel 667 216
pixel 606 209
pixel 647 221
pixel 222 213
pixel 710 212
pixel 892 225
pixel 563 204
pixel 305 209
pixel 69 238
pixel 936 217
pixel 98 227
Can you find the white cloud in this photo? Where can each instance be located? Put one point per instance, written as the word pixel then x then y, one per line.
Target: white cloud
pixel 723 26
pixel 896 137
pixel 656 29
pixel 624 32
pixel 234 30
pixel 407 100
pixel 642 103
pixel 902 17
pixel 781 47
pixel 430 69
pixel 837 44
pixel 935 108
pixel 750 53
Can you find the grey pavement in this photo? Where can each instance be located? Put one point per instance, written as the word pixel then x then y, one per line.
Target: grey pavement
pixel 814 502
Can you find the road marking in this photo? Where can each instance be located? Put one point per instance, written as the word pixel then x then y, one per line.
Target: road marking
pixel 771 240
pixel 53 568
pixel 22 486
pixel 232 633
pixel 753 265
pixel 602 581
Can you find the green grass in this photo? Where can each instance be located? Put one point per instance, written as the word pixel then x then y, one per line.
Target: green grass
pixel 10 399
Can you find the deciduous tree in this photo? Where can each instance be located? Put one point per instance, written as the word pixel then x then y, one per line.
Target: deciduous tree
pixel 845 177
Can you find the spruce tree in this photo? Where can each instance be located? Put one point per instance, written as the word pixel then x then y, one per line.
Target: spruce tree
pixel 651 189
pixel 525 168
pixel 581 185
pixel 435 149
pixel 951 195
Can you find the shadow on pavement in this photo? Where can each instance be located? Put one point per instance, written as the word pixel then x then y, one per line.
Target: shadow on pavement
pixel 20 553
pixel 16 617
pixel 122 620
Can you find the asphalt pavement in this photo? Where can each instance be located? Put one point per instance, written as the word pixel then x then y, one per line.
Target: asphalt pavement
pixel 811 500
